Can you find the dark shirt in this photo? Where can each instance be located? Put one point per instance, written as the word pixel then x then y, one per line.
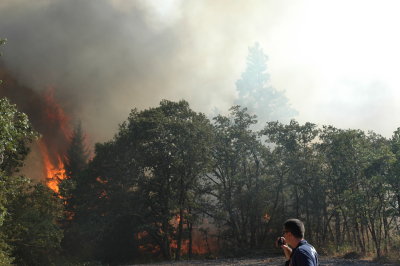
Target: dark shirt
pixel 303 255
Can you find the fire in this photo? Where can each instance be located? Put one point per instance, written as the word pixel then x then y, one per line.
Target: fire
pixel 47 117
pixel 202 242
pixel 54 173
pixel 55 141
pixel 266 217
pixel 56 114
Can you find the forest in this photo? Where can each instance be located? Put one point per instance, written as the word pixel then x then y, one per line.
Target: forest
pixel 175 184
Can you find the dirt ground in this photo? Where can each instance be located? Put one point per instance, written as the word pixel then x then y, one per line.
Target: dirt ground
pixel 324 261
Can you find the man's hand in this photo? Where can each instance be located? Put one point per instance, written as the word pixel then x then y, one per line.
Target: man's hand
pixel 281 242
pixel 287 250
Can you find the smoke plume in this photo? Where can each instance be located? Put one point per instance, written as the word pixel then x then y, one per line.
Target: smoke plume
pixel 104 58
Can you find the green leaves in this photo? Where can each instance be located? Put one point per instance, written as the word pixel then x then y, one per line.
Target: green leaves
pixel 15 135
pixel 31 228
pixel 238 184
pixel 140 181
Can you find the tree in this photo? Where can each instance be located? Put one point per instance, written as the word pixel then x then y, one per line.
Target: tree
pixel 344 164
pixel 102 199
pixel 357 167
pixel 238 183
pixel 28 228
pixel 394 176
pixel 75 164
pixel 31 226
pixel 173 144
pixel 140 185
pixel 256 93
pixel 299 190
pixel 15 135
pixel 77 154
pixel 376 191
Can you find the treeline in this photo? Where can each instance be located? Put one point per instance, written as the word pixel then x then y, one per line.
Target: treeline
pixel 171 174
pixel 169 170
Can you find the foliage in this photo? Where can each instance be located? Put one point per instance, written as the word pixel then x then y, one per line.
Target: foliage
pixel 15 135
pixel 298 190
pixel 75 163
pixel 140 181
pixel 32 224
pixel 172 151
pixel 238 183
pixel 77 154
pixel 29 230
pixel 146 190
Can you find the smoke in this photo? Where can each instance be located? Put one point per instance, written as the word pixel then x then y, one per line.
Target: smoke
pixel 105 57
pixel 46 116
pixel 82 48
pixel 104 60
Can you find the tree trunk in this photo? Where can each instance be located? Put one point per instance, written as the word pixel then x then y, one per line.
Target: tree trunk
pixel 337 230
pixel 165 247
pixel 386 239
pixel 179 237
pixel 362 237
pixel 398 202
pixel 190 244
pixel 375 239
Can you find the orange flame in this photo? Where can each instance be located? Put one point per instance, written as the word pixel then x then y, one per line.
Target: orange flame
pixel 53 173
pixel 55 141
pixel 199 244
pixel 48 118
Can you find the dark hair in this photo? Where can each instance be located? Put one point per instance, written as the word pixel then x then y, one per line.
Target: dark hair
pixel 296 227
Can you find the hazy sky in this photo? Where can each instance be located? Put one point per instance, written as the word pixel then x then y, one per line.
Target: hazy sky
pixel 337 61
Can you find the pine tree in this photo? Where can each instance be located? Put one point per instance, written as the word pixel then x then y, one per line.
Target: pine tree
pixel 256 93
pixel 77 154
pixel 75 164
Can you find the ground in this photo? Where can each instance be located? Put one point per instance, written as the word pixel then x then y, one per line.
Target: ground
pixel 278 261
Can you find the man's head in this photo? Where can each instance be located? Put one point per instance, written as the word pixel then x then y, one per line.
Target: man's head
pixel 293 231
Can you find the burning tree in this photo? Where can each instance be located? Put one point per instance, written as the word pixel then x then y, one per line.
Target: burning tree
pixel 173 144
pixel 48 118
pixel 142 184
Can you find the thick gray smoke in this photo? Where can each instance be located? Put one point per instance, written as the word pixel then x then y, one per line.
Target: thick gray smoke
pixel 101 60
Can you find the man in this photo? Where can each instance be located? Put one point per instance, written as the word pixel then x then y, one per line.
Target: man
pixel 300 253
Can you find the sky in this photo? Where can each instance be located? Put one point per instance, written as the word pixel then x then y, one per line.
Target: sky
pixel 336 60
